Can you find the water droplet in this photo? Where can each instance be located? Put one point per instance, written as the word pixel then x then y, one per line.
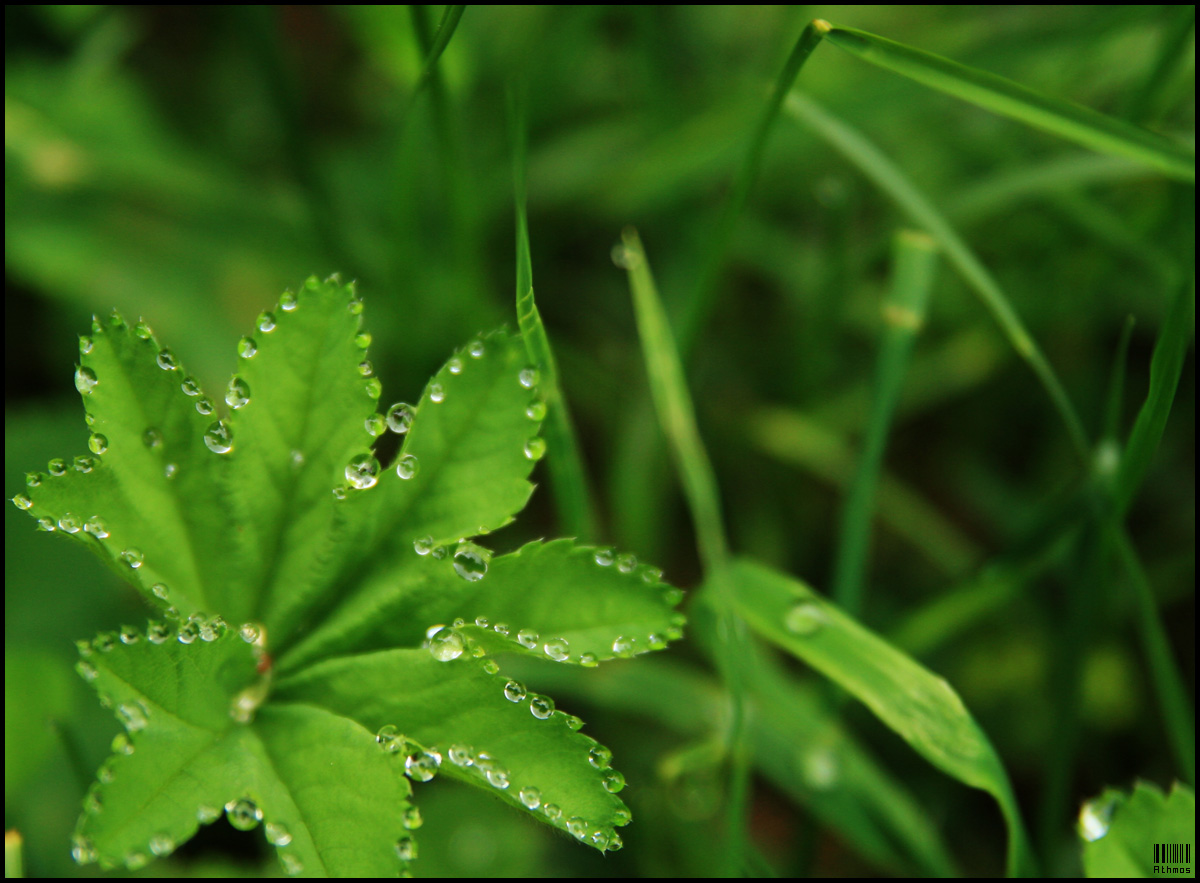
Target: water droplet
pixel 86 670
pixel 85 380
pixel 556 649
pixel 497 778
pixel 132 558
pixel 362 472
pixel 573 722
pixel 411 819
pixel 33 479
pixel 375 425
pixel 312 283
pixel 551 812
pixel 605 557
pixel 531 797
pixel 446 644
pixel 157 633
pixel 206 815
pixel 57 467
pixel 85 345
pixel 162 844
pixel 514 691
pixel 96 527
pixel 104 642
pixel 129 635
pixel 805 618
pixel 362 341
pixel 819 768
pixel 529 377
pixel 541 707
pixel 265 322
pixel 439 552
pixel 600 840
pixel 188 632
pixel 650 575
pixel 190 386
pixel 599 757
pixel 355 306
pixel 218 438
pixel 655 641
pixel 365 368
pixel 152 438
pixel 528 639
pixel 536 410
pixel 22 501
pixel 491 666
pixel 92 802
pixel 45 523
pixel 166 360
pixel 437 393
pixel 408 466
pixel 614 781
pixel 133 717
pixel 502 629
pixel 423 545
pixel 421 766
pixel 475 349
pixel 251 632
pixel 390 740
pixel 471 561
pixel 84 464
pixel 627 563
pixel 672 596
pixel 243 814
pixel 623 646
pixel 97 443
pixel 277 835
pixel 237 395
pixel 170 470
pixel 287 301
pixel 205 406
pixel 373 387
pixel 460 755
pixel 406 849
pixel 400 417
pixel 82 850
pixel 1095 818
pixel 121 745
pixel 535 448
pixel 292 866
pixel 615 842
pixel 142 330
pixel 455 366
pixel 588 660
pixel 577 827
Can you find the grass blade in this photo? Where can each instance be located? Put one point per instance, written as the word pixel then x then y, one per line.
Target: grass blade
pixel 913 264
pixel 568 479
pixel 915 703
pixel 888 177
pixel 668 389
pixel 700 303
pixel 1165 367
pixel 1071 121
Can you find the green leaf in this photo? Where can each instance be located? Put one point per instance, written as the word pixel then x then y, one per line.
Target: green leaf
pixel 919 706
pixel 479 727
pixel 187 757
pixel 150 498
pixel 1003 96
pixel 341 578
pixel 1119 831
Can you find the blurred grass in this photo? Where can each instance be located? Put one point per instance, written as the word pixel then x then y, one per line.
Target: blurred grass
pixel 187 164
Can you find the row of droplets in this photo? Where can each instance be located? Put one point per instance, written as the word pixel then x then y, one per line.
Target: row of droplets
pixel 422 765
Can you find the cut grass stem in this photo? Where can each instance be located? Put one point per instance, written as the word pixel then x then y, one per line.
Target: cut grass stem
pixel 913 262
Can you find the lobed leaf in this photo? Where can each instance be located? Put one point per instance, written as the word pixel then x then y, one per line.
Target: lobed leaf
pixel 151 501
pixel 191 753
pixel 476 726
pixel 1119 832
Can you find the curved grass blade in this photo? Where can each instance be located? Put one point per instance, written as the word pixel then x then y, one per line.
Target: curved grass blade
pixel 481 728
pixel 1071 121
pixel 888 177
pixel 913 262
pixel 919 706
pixel 568 479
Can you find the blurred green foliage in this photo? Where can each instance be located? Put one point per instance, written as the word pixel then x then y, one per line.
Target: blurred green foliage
pixel 186 165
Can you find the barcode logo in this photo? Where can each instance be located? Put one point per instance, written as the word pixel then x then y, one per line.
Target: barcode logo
pixel 1172 853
